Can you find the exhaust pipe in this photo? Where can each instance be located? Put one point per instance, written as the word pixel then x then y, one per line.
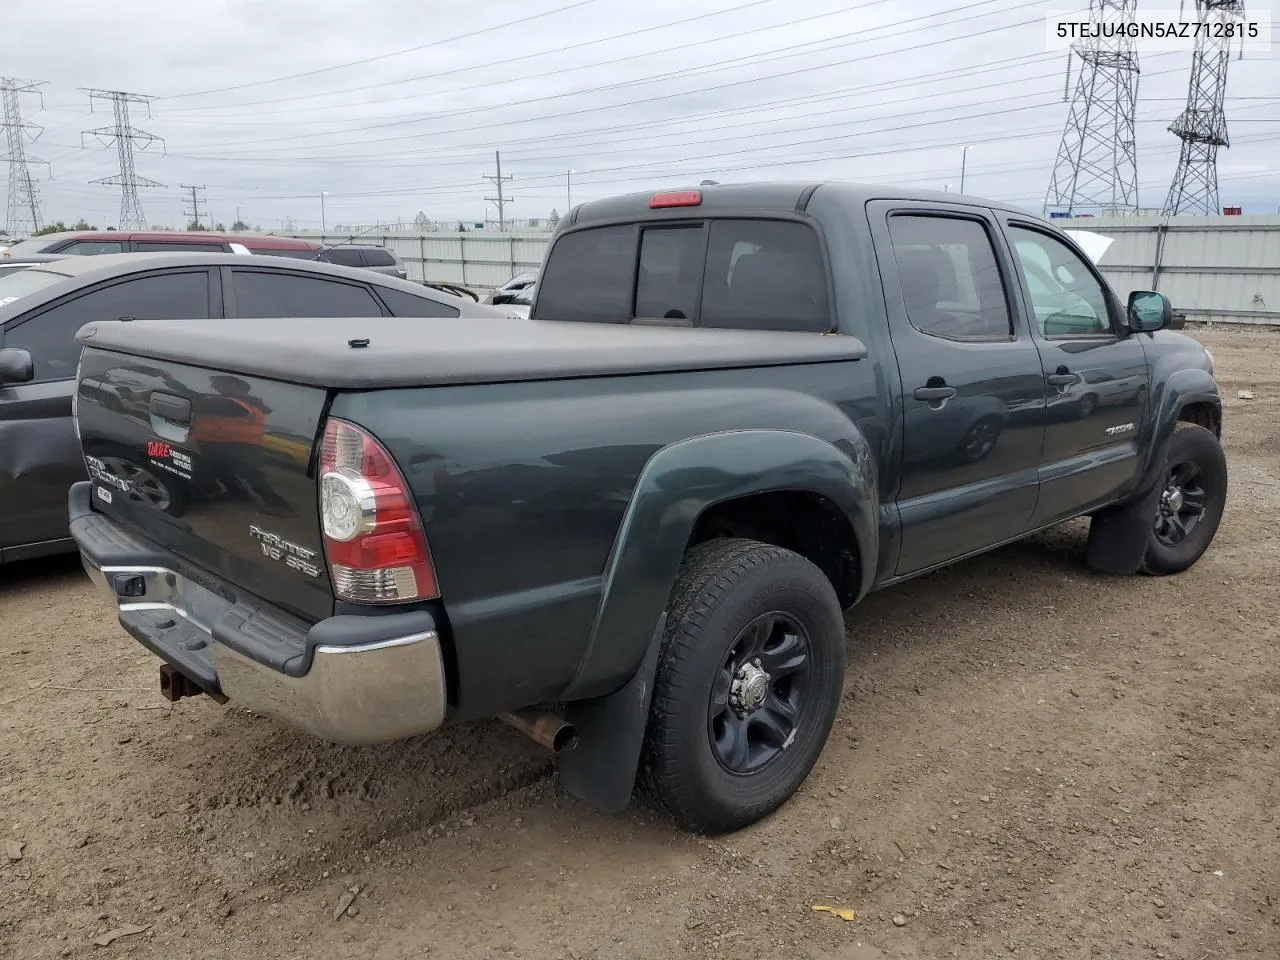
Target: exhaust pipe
pixel 544 729
pixel 174 684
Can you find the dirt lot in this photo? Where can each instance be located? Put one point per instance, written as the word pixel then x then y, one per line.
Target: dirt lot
pixel 1031 761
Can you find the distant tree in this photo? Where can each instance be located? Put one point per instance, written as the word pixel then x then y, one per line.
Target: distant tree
pixel 196 225
pixel 58 227
pixel 83 224
pixel 239 227
pixel 421 223
pixel 220 228
pixel 462 228
pixel 554 218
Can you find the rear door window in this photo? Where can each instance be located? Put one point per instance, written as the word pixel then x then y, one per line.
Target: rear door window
pixel 178 246
pixel 765 275
pixel 590 275
pixel 378 257
pixel 343 257
pixel 263 294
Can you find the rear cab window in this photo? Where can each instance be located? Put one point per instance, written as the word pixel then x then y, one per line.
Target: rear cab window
pixel 730 272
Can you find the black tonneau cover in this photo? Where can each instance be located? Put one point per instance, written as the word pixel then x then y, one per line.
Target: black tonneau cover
pixel 404 352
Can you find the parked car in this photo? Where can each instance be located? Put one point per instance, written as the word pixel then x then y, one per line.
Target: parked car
pixel 42 307
pixel 734 412
pixel 99 242
pixel 520 282
pixel 378 259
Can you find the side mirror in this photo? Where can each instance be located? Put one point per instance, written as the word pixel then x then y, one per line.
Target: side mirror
pixel 16 366
pixel 1149 311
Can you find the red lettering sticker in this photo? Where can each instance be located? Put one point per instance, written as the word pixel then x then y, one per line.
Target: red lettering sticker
pixel 157 449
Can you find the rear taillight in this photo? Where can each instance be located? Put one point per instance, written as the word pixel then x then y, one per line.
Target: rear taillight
pixel 373 538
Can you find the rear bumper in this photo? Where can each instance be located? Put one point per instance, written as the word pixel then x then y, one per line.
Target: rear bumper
pixel 347 679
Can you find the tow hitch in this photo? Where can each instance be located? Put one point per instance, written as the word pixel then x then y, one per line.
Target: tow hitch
pixel 174 685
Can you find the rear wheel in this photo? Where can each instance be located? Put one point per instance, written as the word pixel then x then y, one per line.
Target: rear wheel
pixel 747 687
pixel 1191 501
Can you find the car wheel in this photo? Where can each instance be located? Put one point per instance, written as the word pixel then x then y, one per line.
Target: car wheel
pixel 1191 501
pixel 748 683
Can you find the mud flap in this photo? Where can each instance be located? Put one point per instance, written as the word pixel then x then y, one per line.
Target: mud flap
pixel 601 770
pixel 1118 536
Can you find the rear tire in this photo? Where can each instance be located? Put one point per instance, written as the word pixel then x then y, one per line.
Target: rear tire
pixel 748 682
pixel 1191 504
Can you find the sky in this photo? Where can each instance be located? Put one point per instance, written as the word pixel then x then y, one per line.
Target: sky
pixel 288 112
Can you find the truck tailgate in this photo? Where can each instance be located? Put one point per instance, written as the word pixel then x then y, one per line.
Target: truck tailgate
pixel 213 466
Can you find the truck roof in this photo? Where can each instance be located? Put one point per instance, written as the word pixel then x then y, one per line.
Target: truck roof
pixel 720 199
pixel 326 352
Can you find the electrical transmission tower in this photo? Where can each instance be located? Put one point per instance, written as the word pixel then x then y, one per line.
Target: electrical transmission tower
pixel 500 201
pixel 124 134
pixel 1097 164
pixel 195 203
pixel 1202 126
pixel 23 213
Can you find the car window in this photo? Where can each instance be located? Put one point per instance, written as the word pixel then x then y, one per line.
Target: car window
pixel 404 304
pixel 764 275
pixel 169 246
pixel 50 336
pixel 670 272
pixel 343 256
pixel 1067 299
pixel 589 276
pixel 378 257
pixel 89 248
pixel 261 294
pixel 951 284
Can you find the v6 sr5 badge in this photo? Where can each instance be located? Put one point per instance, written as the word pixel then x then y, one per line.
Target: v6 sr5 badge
pixel 292 555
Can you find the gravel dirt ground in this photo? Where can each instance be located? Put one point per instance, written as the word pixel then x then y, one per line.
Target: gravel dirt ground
pixel 1031 760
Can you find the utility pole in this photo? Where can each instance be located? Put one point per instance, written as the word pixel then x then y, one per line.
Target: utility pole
pixel 964 162
pixel 124 135
pixel 195 204
pixel 1202 126
pixel 23 213
pixel 1097 163
pixel 500 200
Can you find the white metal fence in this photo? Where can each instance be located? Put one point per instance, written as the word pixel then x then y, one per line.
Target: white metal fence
pixel 1214 269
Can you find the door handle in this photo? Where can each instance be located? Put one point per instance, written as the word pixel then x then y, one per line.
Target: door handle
pixel 1062 377
pixel 176 410
pixel 934 394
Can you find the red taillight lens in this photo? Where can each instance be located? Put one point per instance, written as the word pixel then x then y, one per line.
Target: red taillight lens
pixel 373 538
pixel 677 198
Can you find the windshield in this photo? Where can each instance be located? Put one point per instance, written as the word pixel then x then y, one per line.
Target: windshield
pixel 15 284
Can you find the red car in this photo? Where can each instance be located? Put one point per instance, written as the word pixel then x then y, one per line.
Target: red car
pixel 88 242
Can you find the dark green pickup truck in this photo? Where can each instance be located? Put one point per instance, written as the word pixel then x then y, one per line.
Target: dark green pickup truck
pixel 630 524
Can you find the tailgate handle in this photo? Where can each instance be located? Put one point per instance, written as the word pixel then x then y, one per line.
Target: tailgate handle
pixel 176 410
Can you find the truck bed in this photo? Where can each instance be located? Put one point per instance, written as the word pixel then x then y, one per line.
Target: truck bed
pixel 412 353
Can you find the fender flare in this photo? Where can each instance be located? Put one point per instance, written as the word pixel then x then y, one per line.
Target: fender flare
pixel 1118 535
pixel 608 699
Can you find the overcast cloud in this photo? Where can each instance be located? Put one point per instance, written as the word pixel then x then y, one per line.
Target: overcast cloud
pixel 859 90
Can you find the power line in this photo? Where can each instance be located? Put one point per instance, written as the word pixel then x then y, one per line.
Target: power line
pixel 381 56
pixel 500 201
pixel 738 8
pixel 719 66
pixel 124 135
pixel 23 212
pixel 195 203
pixel 1097 163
